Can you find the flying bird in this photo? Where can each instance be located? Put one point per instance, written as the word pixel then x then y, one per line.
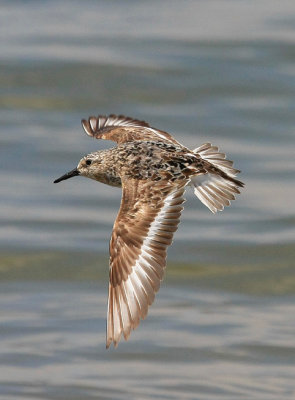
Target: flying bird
pixel 153 170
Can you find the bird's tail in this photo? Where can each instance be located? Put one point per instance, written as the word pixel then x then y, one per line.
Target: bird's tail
pixel 217 186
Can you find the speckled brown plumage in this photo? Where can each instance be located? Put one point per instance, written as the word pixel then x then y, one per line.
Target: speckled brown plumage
pixel 153 170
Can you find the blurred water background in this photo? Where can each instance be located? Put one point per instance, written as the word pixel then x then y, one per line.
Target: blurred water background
pixel 222 326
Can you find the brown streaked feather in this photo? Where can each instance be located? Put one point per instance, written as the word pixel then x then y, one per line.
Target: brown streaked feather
pixel 142 232
pixel 123 129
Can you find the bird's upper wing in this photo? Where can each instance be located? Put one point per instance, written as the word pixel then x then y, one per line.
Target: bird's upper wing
pixel 122 129
pixel 147 219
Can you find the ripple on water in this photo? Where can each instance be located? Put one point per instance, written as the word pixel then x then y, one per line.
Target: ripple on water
pixel 193 343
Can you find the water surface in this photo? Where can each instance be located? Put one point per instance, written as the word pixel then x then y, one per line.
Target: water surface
pixel 194 345
pixel 223 72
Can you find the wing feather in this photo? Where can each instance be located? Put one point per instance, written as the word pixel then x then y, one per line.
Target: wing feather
pixel 123 129
pixel 137 266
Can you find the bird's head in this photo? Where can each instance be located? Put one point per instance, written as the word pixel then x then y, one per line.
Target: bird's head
pixel 89 166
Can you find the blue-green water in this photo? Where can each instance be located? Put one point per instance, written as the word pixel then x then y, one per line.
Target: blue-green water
pixel 193 345
pixel 222 326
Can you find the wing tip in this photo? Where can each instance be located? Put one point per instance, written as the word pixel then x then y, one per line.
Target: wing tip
pixel 93 124
pixel 87 127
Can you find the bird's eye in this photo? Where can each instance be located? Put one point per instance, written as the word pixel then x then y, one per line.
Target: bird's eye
pixel 88 162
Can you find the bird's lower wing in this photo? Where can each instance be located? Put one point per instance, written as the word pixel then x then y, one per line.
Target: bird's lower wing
pixel 148 217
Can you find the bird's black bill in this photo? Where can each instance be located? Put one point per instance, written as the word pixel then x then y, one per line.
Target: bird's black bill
pixel 70 174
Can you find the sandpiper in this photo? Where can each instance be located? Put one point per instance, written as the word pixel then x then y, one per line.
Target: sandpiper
pixel 153 170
